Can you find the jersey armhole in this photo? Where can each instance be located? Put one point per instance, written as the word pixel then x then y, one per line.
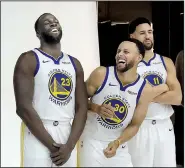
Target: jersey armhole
pixel 37 63
pixel 73 63
pixel 140 91
pixel 104 82
pixel 162 59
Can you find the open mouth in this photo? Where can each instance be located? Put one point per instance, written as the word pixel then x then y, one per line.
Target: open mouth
pixel 54 31
pixel 121 62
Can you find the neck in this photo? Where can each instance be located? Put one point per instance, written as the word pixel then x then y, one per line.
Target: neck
pixel 53 50
pixel 128 76
pixel 148 54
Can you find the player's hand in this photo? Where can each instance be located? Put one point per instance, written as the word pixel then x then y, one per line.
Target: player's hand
pixel 62 155
pixel 110 151
pixel 106 111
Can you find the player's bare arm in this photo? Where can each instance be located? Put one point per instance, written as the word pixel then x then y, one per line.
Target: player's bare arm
pixel 93 83
pixel 23 81
pixel 139 115
pixel 95 80
pixel 158 90
pixel 174 95
pixel 81 106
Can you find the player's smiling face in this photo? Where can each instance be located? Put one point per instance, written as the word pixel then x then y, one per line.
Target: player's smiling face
pixel 49 29
pixel 127 56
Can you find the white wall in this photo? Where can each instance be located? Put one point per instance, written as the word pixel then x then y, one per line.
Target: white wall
pixel 80 39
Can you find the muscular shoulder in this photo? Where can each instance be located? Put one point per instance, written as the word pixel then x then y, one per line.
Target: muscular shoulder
pixel 170 66
pixel 78 65
pixel 27 56
pixel 168 61
pixel 26 62
pixel 97 77
pixel 98 74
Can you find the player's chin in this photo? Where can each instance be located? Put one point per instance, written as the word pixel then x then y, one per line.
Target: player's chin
pixel 121 67
pixel 148 46
pixel 55 36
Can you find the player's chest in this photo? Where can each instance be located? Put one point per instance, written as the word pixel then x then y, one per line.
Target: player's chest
pixel 154 74
pixel 56 75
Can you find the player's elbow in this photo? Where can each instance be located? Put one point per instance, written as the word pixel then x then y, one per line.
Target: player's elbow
pixel 22 110
pixel 178 99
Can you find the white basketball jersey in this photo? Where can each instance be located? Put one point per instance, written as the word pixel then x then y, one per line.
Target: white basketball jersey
pixel 155 73
pixel 123 98
pixel 54 88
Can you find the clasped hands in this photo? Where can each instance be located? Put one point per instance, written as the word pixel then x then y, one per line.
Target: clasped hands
pixel 60 154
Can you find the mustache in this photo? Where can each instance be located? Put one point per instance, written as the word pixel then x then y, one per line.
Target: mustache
pixel 148 40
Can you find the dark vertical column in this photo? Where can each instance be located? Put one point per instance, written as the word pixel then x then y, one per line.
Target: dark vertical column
pixel 160 19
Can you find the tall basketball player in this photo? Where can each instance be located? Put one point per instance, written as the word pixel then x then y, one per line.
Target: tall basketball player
pixel 103 142
pixel 154 144
pixel 50 92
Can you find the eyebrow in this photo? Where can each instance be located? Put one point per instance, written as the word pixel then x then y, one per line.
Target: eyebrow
pixel 123 49
pixel 142 31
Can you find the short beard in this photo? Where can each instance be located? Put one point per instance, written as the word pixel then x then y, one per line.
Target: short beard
pixel 126 68
pixel 148 47
pixel 50 39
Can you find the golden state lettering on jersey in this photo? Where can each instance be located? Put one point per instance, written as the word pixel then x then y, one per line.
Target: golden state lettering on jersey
pixel 153 77
pixel 60 86
pixel 121 106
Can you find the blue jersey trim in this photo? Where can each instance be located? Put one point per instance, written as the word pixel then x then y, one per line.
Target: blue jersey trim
pixel 72 61
pixel 140 91
pixel 162 59
pixel 148 64
pixel 104 82
pixel 56 61
pixel 123 88
pixel 37 64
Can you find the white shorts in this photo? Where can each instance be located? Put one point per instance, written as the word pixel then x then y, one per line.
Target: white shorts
pixel 153 145
pixel 35 154
pixel 90 154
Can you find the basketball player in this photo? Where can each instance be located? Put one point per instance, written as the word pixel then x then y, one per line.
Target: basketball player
pixel 103 142
pixel 50 92
pixel 179 64
pixel 154 144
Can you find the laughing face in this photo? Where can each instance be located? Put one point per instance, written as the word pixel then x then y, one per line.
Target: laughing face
pixel 49 29
pixel 127 56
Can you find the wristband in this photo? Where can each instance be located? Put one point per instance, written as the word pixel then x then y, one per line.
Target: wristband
pixel 119 142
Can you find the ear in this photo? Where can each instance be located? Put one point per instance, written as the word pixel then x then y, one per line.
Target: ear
pixel 38 35
pixel 131 35
pixel 140 57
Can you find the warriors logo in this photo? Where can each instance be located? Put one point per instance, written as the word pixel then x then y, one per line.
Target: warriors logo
pixel 120 113
pixel 60 86
pixel 154 79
